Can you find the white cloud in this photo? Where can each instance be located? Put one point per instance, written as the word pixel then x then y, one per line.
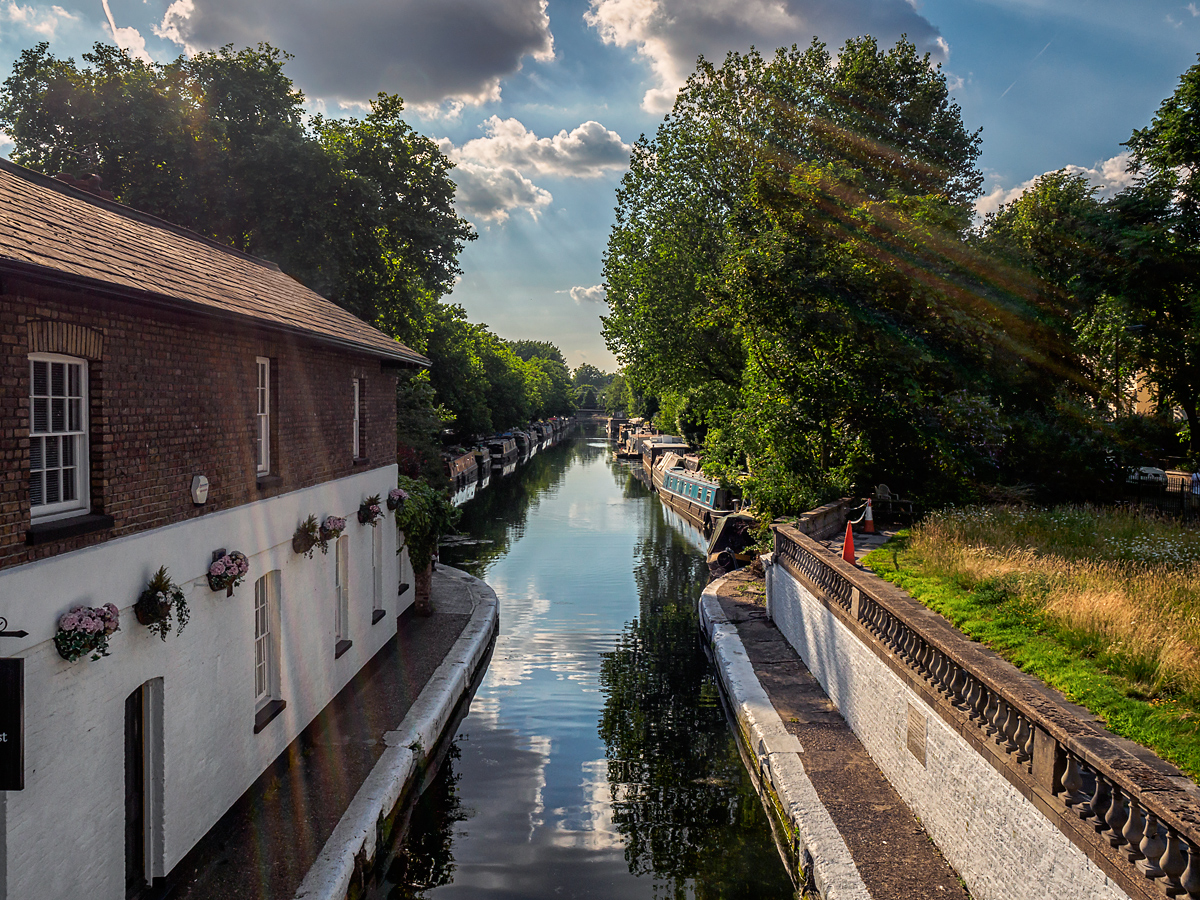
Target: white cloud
pixel 128 39
pixel 493 193
pixel 1191 7
pixel 42 22
pixel 1109 175
pixel 597 293
pixel 428 51
pixel 670 34
pixel 584 152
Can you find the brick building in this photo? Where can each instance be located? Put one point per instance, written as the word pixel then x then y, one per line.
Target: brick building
pixel 137 361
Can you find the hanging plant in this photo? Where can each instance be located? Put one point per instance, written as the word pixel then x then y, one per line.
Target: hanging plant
pixel 86 629
pixel 331 530
pixel 369 511
pixel 396 498
pixel 227 571
pixel 160 598
pixel 307 537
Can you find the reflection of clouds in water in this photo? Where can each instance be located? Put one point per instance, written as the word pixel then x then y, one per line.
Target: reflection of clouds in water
pixel 541 746
pixel 589 826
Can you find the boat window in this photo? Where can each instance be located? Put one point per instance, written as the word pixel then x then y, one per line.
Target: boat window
pixel 708 496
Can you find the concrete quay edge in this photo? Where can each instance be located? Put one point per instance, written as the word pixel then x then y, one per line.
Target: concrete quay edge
pixel 352 845
pixel 777 753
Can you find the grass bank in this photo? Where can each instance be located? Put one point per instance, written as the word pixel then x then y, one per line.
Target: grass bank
pixel 1103 605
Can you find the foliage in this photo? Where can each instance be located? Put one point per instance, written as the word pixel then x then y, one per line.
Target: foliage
pixel 423 517
pixel 158 601
pixel 306 537
pixel 86 629
pixel 1098 604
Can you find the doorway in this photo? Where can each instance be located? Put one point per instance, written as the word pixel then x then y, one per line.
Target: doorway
pixel 135 793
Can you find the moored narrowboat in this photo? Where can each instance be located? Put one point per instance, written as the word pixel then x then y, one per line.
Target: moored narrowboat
pixel 461 468
pixel 505 454
pixel 685 489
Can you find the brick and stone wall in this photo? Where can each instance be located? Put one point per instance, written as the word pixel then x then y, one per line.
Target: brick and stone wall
pixel 171 396
pixel 999 842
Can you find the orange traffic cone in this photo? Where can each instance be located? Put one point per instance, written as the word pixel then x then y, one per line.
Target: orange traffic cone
pixel 848 545
pixel 869 520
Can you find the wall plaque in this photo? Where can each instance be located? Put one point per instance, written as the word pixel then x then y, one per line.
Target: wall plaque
pixel 916 734
pixel 12 724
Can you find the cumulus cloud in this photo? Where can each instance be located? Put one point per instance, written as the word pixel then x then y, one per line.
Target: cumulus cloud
pixel 584 152
pixel 1110 176
pixel 428 51
pixel 670 34
pixel 597 293
pixel 493 193
pixel 42 22
pixel 128 39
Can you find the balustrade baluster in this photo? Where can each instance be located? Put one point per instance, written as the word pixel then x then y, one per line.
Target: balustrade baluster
pixel 1153 846
pixel 990 711
pixel 1190 882
pixel 1072 783
pixel 1133 831
pixel 1098 805
pixel 979 697
pixel 1021 739
pixel 1118 811
pixel 1009 744
pixel 1173 863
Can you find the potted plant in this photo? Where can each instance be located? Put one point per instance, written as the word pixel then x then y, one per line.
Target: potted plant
pixel 307 537
pixel 331 530
pixel 369 511
pixel 86 629
pixel 424 517
pixel 396 498
pixel 227 570
pixel 154 607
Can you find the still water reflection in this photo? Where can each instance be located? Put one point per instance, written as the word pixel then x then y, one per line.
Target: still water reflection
pixel 596 760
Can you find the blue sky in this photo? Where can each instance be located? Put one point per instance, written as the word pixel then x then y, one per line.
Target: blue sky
pixel 538 100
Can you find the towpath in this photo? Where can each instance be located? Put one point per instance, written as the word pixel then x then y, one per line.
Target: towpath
pixel 266 843
pixel 891 851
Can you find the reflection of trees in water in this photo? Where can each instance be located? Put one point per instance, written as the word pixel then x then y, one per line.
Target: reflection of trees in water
pixel 425 858
pixel 681 798
pixel 498 513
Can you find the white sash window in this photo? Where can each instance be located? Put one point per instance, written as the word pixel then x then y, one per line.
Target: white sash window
pixel 58 436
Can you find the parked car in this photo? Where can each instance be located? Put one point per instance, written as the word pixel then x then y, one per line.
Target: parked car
pixel 1147 477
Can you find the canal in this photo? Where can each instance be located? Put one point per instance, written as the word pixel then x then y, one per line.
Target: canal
pixel 596 759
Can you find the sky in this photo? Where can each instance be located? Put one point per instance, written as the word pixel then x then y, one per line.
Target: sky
pixel 538 101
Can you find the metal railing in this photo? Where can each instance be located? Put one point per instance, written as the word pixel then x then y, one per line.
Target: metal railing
pixel 1138 820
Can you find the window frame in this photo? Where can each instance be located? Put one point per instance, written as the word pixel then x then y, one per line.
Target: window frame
pixel 262 416
pixel 357 382
pixel 268 662
pixel 341 583
pixel 81 505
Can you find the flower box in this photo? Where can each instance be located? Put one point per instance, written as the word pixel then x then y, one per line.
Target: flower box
pixel 85 630
pixel 227 571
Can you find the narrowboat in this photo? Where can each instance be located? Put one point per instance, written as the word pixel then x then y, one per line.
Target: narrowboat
pixel 505 454
pixel 483 460
pixel 653 448
pixel 695 496
pixel 461 468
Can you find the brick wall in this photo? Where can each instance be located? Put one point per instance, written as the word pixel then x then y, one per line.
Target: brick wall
pixel 172 396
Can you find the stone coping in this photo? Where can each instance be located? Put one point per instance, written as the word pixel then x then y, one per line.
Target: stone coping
pixel 1162 790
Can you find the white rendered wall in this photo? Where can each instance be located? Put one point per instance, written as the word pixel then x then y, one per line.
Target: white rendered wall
pixel 997 841
pixel 64 834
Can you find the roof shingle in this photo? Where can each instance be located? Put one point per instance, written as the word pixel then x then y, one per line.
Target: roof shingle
pixel 45 224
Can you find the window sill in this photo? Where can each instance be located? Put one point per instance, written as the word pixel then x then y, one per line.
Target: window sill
pixel 263 717
pixel 266 482
pixel 341 647
pixel 60 529
pixel 377 616
pixel 360 461
pixel 403 588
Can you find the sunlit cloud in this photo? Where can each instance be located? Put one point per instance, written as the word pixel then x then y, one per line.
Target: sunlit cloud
pixel 1110 176
pixel 38 20
pixel 584 152
pixel 128 39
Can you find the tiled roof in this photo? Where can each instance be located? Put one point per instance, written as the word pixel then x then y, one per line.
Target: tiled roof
pixel 51 229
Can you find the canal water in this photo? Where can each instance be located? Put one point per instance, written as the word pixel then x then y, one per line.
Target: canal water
pixel 596 759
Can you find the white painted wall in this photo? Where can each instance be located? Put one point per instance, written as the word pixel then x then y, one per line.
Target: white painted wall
pixel 64 834
pixel 1001 845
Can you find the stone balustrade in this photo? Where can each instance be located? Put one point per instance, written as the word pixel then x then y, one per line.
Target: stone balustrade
pixel 1133 814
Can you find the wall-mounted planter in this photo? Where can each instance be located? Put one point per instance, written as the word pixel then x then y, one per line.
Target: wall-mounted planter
pixel 331 530
pixel 396 498
pixel 86 629
pixel 161 600
pixel 369 511
pixel 227 570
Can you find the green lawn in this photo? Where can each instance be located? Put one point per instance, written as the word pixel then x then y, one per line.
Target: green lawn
pixel 1013 616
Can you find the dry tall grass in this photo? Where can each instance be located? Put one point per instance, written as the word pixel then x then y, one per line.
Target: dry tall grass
pixel 1127 585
